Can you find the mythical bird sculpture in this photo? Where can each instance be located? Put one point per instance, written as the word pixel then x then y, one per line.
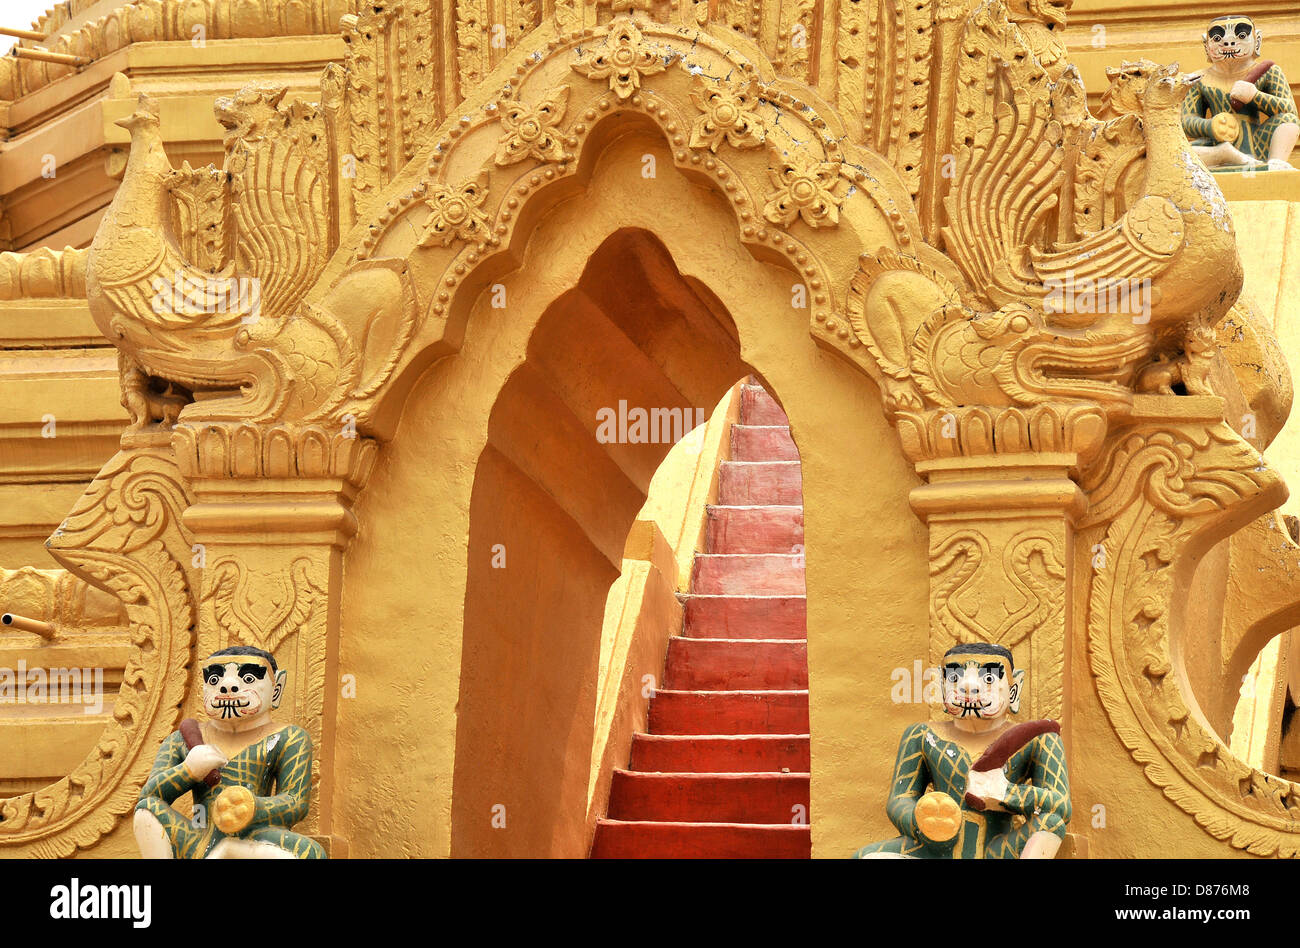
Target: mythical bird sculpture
pixel 147 298
pixel 237 335
pixel 1046 311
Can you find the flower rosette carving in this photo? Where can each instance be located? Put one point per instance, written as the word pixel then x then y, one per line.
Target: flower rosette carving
pixel 532 131
pixel 456 212
pixel 728 114
pixel 805 187
pixel 625 60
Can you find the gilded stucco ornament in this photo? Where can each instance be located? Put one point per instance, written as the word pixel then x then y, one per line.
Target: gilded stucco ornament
pixel 728 114
pixel 1077 323
pixel 124 535
pixel 1076 318
pixel 456 213
pixel 807 188
pixel 624 59
pixel 532 131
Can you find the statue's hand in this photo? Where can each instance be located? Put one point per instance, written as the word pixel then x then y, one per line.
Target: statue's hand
pixel 202 760
pixel 233 810
pixel 990 785
pixel 1243 91
pixel 938 816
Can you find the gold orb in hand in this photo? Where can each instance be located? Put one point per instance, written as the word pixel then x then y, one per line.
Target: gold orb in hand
pixel 233 810
pixel 938 816
pixel 1225 127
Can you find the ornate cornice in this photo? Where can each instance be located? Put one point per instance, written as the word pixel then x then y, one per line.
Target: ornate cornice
pixel 243 452
pixel 143 21
pixel 43 274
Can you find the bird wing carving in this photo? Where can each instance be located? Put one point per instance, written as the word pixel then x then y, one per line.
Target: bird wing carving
pixel 1138 246
pixel 1012 118
pixel 280 203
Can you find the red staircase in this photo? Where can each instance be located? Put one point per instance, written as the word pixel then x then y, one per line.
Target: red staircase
pixel 723 771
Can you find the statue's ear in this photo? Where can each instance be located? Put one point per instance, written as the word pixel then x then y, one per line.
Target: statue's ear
pixel 1259 41
pixel 278 691
pixel 1017 683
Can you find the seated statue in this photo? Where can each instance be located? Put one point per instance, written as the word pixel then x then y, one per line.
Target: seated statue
pixel 950 805
pixel 1240 112
pixel 250 776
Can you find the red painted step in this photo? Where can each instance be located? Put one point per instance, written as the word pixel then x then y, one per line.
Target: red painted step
pixel 724 769
pixel 735 753
pixel 654 840
pixel 745 617
pixel 759 482
pixel 757 407
pixel 762 443
pixel 709 798
pixel 704 664
pixel 730 574
pixel 765 529
pixel 729 712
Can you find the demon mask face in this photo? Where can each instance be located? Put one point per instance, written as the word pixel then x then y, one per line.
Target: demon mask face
pixel 1232 37
pixel 241 683
pixel 980 681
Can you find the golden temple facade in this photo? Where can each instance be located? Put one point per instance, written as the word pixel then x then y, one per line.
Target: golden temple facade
pixel 449 237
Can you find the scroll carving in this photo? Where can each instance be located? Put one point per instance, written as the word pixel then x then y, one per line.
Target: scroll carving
pixel 124 535
pixel 1163 489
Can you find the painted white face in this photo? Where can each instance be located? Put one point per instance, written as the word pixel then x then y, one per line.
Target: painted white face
pixel 980 686
pixel 240 686
pixel 1233 37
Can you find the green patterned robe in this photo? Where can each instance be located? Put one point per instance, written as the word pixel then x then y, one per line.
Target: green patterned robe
pixel 1039 791
pixel 1273 106
pixel 276 769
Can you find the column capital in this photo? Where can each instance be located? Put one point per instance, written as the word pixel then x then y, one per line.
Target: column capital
pixel 281 484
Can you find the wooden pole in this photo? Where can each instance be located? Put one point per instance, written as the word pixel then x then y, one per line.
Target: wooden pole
pixel 22 34
pixel 45 56
pixel 24 624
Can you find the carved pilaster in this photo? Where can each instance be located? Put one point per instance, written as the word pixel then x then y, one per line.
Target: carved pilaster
pixel 271 518
pixel 1001 506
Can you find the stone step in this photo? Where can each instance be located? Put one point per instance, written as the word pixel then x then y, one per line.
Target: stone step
pixel 734 574
pixel 729 712
pixel 745 617
pixel 709 798
pixel 735 753
pixel 763 529
pixel 762 443
pixel 731 664
pixel 656 840
pixel 747 483
pixel 757 407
